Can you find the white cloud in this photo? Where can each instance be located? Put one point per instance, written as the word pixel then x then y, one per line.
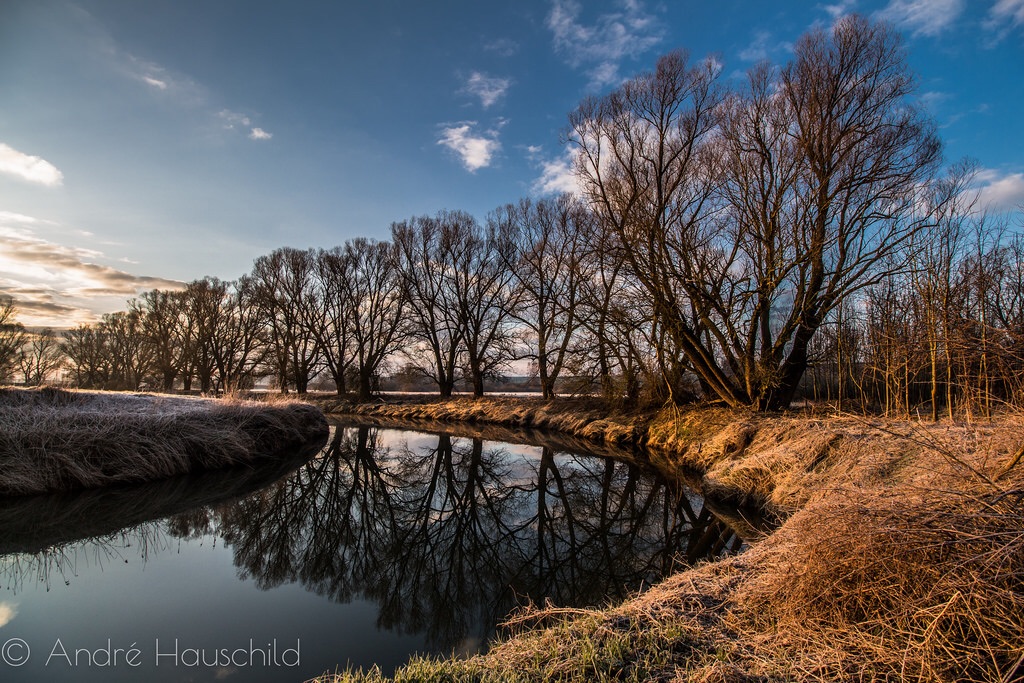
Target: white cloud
pixel 556 175
pixel 474 149
pixel 233 119
pixel 600 47
pixel 1008 10
pixel 1004 16
pixel 923 17
pixel 1000 191
pixel 9 217
pixel 155 82
pixel 27 167
pixel 179 87
pixel 489 89
pixel 839 9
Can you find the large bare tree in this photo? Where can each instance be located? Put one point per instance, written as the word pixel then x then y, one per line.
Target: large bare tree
pixel 426 248
pixel 548 261
pixel 284 287
pixel 378 303
pixel 749 217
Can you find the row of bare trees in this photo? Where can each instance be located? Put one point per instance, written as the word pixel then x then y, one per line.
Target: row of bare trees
pixel 748 244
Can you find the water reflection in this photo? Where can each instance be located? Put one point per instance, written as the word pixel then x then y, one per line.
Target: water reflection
pixel 448 537
pixel 444 534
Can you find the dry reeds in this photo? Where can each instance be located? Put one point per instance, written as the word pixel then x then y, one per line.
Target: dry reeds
pixel 56 440
pixel 904 562
pixel 909 584
pixel 581 418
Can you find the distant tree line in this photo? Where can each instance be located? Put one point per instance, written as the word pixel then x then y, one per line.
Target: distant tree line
pixel 792 237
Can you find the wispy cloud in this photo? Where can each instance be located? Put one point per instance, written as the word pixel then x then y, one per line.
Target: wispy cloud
pixel 29 168
pixel 233 120
pixel 58 284
pixel 155 82
pixel 922 17
pixel 161 80
pixel 164 82
pixel 839 9
pixel 1000 191
pixel 489 89
pixel 600 47
pixel 475 148
pixel 504 47
pixel 1005 16
pixel 933 98
pixel 762 46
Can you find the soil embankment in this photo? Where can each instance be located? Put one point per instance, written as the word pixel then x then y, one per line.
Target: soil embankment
pixel 55 440
pixel 899 555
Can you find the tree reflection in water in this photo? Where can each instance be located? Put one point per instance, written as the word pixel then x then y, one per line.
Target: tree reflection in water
pixel 448 539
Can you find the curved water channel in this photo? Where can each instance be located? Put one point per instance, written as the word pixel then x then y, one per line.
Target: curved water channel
pixel 385 543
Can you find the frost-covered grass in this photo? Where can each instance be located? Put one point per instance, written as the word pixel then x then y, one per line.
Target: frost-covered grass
pixel 58 440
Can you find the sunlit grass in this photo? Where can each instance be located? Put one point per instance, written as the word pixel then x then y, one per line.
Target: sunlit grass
pixel 900 558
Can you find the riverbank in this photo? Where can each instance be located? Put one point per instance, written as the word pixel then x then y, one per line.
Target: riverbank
pixel 57 440
pixel 899 555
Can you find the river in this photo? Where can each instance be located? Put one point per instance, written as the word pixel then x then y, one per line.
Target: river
pixel 386 542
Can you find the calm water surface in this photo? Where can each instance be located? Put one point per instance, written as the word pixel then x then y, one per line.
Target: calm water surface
pixel 386 543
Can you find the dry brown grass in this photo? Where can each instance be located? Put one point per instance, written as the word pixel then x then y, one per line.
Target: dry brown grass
pixel 900 558
pixel 57 440
pixel 581 418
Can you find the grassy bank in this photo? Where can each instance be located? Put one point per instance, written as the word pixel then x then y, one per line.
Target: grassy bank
pixel 584 419
pixel 55 440
pixel 900 556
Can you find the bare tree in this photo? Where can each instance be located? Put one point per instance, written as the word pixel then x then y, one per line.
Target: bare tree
pixel 333 272
pixel 239 338
pixel 549 266
pixel 40 357
pixel 748 219
pixel 202 304
pixel 163 322
pixel 284 283
pixel 426 248
pixel 12 337
pixel 85 348
pixel 131 356
pixel 377 306
pixel 486 295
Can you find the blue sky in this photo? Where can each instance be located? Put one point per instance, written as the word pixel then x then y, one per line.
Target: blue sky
pixel 144 143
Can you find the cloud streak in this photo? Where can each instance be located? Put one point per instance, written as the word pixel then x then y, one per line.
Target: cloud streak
pixel 1005 16
pixel 1000 191
pixel 29 168
pixel 600 47
pixel 53 282
pixel 475 149
pixel 922 17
